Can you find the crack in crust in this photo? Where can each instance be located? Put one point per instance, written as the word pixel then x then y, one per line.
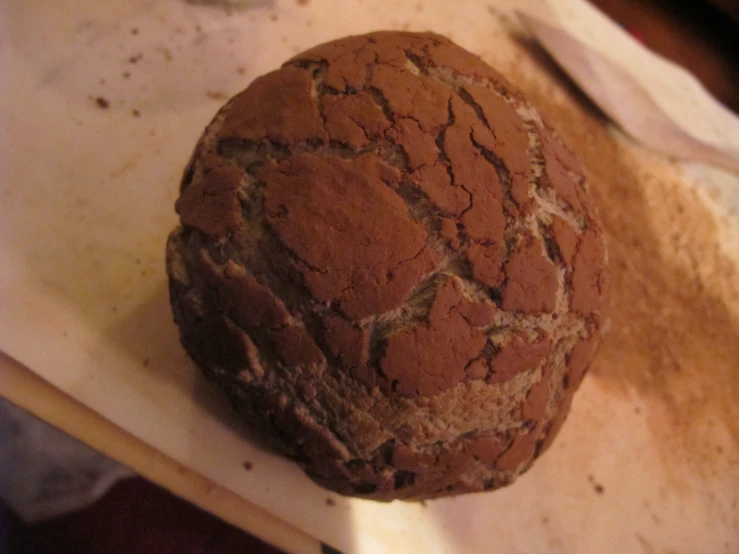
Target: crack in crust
pixel 425 253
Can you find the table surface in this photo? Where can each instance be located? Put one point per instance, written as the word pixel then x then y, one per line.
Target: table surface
pixel 137 516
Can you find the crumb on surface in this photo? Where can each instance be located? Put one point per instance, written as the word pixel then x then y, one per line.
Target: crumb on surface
pixel 597 487
pixel 166 53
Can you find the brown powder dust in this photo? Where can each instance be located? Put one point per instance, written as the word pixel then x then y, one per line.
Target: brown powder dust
pixel 674 337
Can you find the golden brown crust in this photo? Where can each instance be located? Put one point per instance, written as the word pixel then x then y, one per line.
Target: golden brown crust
pixel 531 279
pixel 277 106
pixel 211 204
pixel 391 266
pixel 517 356
pixel 430 358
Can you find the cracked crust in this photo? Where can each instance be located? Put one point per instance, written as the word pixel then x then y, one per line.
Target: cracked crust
pixel 391 266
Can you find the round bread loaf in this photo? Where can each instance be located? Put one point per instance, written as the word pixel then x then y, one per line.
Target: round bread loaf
pixel 391 266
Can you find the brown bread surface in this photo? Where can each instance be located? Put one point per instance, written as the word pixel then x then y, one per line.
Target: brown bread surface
pixel 392 267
